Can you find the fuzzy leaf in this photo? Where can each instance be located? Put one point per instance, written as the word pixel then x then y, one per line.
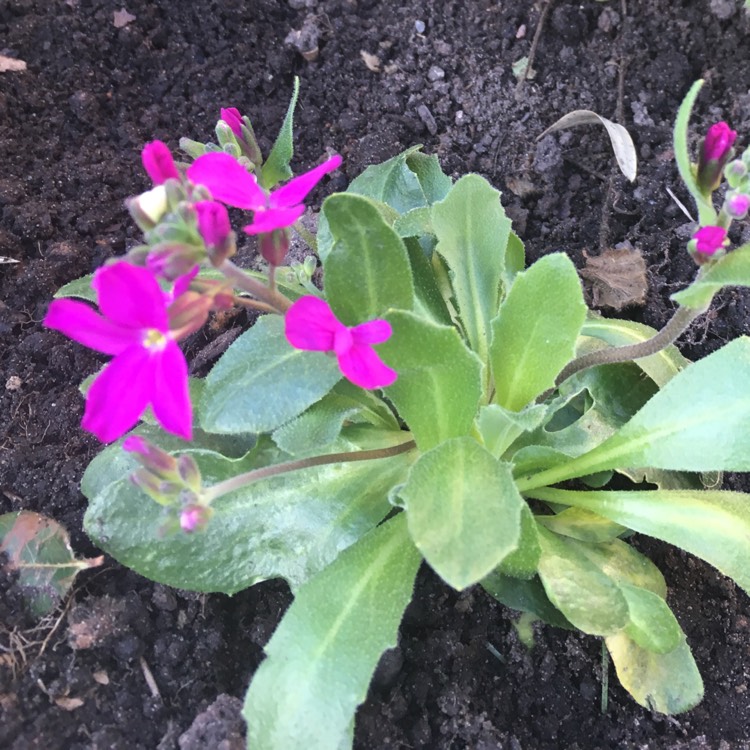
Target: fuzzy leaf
pixel 320 660
pixel 261 381
pixel 39 549
pixel 731 270
pixel 472 232
pixel 535 332
pixel 463 510
pixel 276 167
pixel 288 526
pixel 667 683
pixel 438 388
pixel 367 271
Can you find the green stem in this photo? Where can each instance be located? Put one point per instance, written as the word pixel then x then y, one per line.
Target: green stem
pixel 271 297
pixel 241 480
pixel 678 324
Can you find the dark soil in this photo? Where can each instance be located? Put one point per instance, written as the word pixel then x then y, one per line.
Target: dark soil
pixel 157 668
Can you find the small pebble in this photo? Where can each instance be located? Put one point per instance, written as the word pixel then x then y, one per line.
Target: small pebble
pixel 419 27
pixel 426 117
pixel 435 73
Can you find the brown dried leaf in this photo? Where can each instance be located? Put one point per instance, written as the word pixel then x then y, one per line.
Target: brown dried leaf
pixel 122 18
pixel 371 61
pixel 10 64
pixel 617 277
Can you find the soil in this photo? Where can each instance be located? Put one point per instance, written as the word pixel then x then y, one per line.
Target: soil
pixel 130 664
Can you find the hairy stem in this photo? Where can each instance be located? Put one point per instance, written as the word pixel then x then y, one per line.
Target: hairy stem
pixel 679 323
pixel 241 480
pixel 271 297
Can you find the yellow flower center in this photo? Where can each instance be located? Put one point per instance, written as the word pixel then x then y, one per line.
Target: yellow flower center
pixel 155 340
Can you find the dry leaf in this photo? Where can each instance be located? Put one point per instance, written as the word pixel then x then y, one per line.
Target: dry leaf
pixel 69 704
pixel 122 18
pixel 622 143
pixel 371 61
pixel 10 64
pixel 618 277
pixel 4 259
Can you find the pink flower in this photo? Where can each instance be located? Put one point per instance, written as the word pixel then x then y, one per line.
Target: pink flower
pixel 148 367
pixel 230 183
pixel 158 162
pixel 709 239
pixel 232 117
pixel 311 325
pixel 737 204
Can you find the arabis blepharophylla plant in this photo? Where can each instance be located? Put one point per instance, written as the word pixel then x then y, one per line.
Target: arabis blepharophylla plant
pixel 433 400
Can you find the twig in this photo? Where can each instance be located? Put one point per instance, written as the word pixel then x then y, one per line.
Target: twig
pixel 534 44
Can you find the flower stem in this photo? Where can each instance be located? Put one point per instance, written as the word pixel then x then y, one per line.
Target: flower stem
pixel 241 480
pixel 271 297
pixel 678 324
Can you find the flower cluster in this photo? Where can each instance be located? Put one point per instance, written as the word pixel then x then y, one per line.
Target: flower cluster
pixel 185 220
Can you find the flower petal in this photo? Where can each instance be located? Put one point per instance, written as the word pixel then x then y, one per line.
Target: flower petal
pixel 232 117
pixel 170 398
pixel 119 395
pixel 273 218
pixel 80 323
pixel 213 222
pixel 227 180
pixel 297 189
pixel 362 365
pixel 311 325
pixel 372 332
pixel 130 296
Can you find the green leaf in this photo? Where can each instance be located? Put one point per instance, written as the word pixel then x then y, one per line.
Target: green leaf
pixel 524 596
pixel 393 183
pixel 535 332
pixel 660 367
pixel 438 388
pixel 367 271
pixel 80 288
pixel 315 429
pixel 499 427
pixel 261 381
pixel 731 270
pixel 582 524
pixel 667 683
pixel 472 232
pixel 706 211
pixel 320 660
pixel 287 526
pixel 463 510
pixel 523 562
pixel 515 259
pixel 276 167
pixel 652 625
pixel 710 524
pixel 677 430
pixel 429 301
pixel 38 548
pixel 434 182
pixel 588 597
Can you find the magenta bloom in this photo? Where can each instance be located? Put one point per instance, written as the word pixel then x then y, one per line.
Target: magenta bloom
pixel 232 117
pixel 148 368
pixel 158 162
pixel 709 239
pixel 311 325
pixel 737 204
pixel 230 183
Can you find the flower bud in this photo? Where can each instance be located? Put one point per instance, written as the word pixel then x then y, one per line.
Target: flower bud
pixel 147 209
pixel 158 162
pixel 193 149
pixel 194 518
pixel 274 246
pixel 213 222
pixel 189 472
pixel 715 153
pixel 735 172
pixel 737 204
pixel 233 119
pixel 188 313
pixel 243 132
pixel 172 260
pixel 151 457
